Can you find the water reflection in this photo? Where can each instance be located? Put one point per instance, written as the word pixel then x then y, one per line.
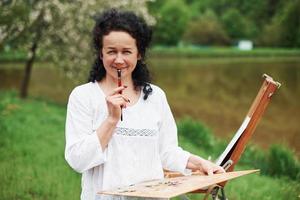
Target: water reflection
pixel 216 91
pixel 220 94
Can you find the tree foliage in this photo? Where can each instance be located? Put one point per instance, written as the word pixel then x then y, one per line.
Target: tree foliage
pixel 59 29
pixel 206 29
pixel 172 18
pixel 266 22
pixel 290 25
pixel 284 29
pixel 236 25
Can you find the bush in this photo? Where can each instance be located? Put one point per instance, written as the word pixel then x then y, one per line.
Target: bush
pixel 196 132
pixel 278 161
pixel 206 29
pixel 255 157
pixel 282 162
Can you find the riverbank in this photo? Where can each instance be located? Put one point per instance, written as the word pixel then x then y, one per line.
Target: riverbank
pixel 32 164
pixel 186 52
pixel 219 52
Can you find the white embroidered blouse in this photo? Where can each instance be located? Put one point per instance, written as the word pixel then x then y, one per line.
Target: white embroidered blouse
pixel 143 144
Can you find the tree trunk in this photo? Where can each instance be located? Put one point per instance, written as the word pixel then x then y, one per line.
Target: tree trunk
pixel 37 29
pixel 27 72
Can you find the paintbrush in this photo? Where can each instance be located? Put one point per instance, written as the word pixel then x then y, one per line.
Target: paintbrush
pixel 119 85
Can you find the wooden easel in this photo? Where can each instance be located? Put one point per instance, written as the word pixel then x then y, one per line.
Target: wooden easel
pixel 231 158
pixel 258 107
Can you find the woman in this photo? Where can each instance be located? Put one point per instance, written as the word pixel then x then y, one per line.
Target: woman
pixel 110 152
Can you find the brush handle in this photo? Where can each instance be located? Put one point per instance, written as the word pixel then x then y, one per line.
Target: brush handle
pixel 119 85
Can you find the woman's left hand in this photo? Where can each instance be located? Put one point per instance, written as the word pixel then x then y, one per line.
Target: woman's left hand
pixel 204 166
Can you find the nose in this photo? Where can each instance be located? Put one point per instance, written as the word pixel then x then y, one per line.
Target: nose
pixel 119 59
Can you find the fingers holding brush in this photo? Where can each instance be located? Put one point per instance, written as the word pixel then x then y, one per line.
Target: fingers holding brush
pixel 114 104
pixel 118 90
pixel 122 99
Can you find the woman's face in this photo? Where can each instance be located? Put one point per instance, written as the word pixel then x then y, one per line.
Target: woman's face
pixel 119 51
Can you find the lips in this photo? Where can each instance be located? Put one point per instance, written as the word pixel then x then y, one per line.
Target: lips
pixel 119 68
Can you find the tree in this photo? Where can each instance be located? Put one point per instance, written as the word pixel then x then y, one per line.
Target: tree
pixel 284 28
pixel 290 24
pixel 237 26
pixel 59 29
pixel 171 22
pixel 206 29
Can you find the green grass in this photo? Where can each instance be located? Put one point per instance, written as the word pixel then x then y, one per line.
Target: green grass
pixel 32 151
pixel 207 52
pixel 32 164
pixel 12 56
pixel 183 51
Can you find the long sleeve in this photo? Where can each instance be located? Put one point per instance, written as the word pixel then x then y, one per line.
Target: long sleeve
pixel 83 149
pixel 172 156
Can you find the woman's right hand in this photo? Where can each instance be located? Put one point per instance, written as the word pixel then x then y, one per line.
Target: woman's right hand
pixel 115 102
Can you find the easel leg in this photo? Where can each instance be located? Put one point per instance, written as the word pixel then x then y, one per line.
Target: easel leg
pixel 213 191
pixel 215 194
pixel 223 197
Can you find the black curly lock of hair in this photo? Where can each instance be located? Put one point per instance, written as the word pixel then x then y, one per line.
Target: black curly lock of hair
pixel 114 20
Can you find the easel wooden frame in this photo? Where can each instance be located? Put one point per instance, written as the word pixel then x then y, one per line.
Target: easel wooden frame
pixel 258 107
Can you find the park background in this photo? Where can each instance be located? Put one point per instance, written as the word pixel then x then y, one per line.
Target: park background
pixel 45 51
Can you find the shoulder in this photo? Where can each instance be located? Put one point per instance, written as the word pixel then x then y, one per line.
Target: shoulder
pixel 83 89
pixel 158 96
pixel 84 92
pixel 157 91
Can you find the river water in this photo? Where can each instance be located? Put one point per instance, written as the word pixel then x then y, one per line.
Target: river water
pixel 217 91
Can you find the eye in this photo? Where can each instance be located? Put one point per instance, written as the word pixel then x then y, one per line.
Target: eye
pixel 127 52
pixel 111 52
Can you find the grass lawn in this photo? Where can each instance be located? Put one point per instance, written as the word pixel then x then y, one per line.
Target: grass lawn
pixel 32 151
pixel 32 164
pixel 184 51
pixel 214 52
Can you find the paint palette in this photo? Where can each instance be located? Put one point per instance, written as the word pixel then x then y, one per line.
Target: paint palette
pixel 172 187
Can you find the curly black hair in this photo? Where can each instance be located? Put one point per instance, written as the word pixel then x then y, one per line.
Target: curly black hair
pixel 115 20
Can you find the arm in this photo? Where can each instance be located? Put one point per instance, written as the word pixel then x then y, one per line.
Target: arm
pixel 172 156
pixel 114 103
pixel 83 150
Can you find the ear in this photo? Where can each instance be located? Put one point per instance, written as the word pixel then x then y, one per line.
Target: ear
pixel 101 55
pixel 139 57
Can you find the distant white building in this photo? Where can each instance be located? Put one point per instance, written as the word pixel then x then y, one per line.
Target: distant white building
pixel 245 45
